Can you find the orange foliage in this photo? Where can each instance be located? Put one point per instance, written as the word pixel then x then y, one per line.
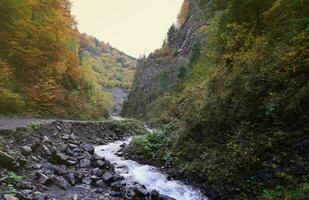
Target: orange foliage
pixel 182 16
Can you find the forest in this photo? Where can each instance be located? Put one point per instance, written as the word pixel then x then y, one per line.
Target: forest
pixel 49 69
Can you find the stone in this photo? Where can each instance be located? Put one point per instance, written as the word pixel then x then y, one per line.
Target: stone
pixel 60 158
pixel 35 145
pixel 107 177
pixel 87 180
pixel 69 151
pixel 38 166
pixel 154 194
pixel 79 174
pixel 70 177
pixel 26 150
pixel 165 197
pixel 6 160
pixel 63 147
pixel 46 139
pixel 118 184
pixel 100 183
pixel 39 196
pixel 84 163
pixel 71 162
pixel 24 185
pixel 97 157
pixel 10 197
pixel 115 194
pixel 65 137
pixel 88 147
pixel 46 150
pixel 25 192
pixel 100 164
pixel 63 184
pixel 43 179
pixel 98 172
pixel 73 137
pixel 94 177
pixel 75 197
pixel 141 191
pixel 118 177
pixel 62 170
pixel 73 146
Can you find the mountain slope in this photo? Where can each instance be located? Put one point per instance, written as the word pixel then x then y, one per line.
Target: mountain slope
pixel 111 67
pixel 230 88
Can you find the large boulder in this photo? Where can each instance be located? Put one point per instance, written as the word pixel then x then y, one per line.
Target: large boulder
pixel 7 161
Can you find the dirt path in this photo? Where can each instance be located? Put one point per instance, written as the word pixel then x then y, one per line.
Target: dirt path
pixel 13 123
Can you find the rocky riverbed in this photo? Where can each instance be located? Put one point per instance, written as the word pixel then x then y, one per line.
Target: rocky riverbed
pixel 58 161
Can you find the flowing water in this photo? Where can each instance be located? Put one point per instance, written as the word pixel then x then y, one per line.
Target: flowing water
pixel 147 175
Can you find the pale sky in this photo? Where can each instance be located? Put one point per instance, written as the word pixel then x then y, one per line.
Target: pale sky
pixel 133 26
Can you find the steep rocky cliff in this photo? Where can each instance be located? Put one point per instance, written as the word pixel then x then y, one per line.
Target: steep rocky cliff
pixel 157 74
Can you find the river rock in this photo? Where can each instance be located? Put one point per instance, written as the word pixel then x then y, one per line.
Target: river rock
pixel 9 197
pixel 63 184
pixel 39 196
pixel 46 150
pixel 100 183
pixel 97 157
pixel 118 177
pixel 87 180
pixel 75 197
pixel 107 177
pixel 45 139
pixel 88 147
pixel 98 172
pixel 62 170
pixel 61 158
pixel 79 174
pixel 84 163
pixel 154 194
pixel 6 160
pixel 70 177
pixel 141 191
pixel 43 179
pixel 100 164
pixel 118 184
pixel 26 150
pixel 165 197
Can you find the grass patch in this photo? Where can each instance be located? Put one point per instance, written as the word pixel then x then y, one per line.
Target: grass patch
pixel 34 126
pixel 14 177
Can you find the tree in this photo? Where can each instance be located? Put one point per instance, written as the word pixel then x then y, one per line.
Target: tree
pixel 183 14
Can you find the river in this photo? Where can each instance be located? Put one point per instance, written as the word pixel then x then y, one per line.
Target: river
pixel 147 175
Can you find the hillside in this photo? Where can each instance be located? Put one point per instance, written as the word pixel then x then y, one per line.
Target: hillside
pixel 229 89
pixel 47 69
pixel 112 68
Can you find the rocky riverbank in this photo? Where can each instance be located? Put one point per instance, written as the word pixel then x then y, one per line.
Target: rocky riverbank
pixel 57 161
pixel 173 172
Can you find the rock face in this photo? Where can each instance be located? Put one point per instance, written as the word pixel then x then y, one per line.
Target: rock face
pixel 58 166
pixel 155 74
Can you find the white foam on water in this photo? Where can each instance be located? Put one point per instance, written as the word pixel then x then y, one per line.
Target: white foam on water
pixel 147 175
